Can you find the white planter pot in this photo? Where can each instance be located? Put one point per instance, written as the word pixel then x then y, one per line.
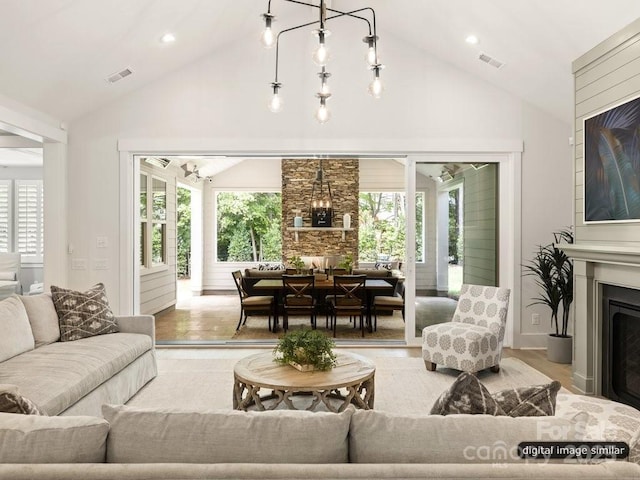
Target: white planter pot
pixel 559 349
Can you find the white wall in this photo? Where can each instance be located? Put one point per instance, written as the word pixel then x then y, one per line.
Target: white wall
pixel 225 95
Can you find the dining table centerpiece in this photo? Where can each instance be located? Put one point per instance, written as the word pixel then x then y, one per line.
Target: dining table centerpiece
pixel 306 350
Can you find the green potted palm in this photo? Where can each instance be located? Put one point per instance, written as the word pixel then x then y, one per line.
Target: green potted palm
pixel 553 270
pixel 305 350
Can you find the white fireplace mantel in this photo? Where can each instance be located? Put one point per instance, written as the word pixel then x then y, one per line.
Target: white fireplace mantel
pixel 617 254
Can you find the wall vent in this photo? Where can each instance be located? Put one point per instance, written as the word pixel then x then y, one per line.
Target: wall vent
pixel 114 77
pixel 158 162
pixel 488 59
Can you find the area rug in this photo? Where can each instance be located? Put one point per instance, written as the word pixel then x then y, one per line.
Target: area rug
pixel 402 385
pixel 390 327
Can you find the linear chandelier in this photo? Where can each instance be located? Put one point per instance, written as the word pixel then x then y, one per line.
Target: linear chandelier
pixel 321 54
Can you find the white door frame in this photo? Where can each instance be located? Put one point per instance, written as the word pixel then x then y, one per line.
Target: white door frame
pixel 508 151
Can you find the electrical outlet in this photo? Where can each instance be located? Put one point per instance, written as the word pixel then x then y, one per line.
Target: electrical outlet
pixel 535 319
pixel 102 241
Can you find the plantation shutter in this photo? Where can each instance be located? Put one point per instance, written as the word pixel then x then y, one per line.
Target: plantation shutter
pixel 5 215
pixel 29 219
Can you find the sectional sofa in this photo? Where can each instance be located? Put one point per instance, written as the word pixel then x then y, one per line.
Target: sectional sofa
pixel 73 377
pixel 137 443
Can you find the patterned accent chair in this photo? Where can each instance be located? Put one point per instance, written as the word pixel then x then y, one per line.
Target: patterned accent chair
pixel 472 341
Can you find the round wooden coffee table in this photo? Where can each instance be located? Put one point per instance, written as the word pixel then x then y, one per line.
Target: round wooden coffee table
pixel 351 381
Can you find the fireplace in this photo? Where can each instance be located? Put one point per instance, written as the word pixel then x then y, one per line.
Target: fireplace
pixel 621 344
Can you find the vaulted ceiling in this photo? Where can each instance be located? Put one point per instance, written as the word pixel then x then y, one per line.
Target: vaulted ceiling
pixel 56 54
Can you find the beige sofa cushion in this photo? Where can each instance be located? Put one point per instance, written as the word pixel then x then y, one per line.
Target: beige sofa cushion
pixel 146 436
pixel 16 337
pixel 378 437
pixel 36 439
pixel 42 317
pixel 57 375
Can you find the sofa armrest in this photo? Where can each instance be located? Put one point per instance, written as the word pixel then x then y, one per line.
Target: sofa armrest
pixel 144 324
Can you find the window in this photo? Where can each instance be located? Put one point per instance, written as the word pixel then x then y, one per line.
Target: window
pixel 5 216
pixel 249 227
pixel 153 227
pixel 22 219
pixel 383 224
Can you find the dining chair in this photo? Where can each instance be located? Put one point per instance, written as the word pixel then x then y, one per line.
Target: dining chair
pixel 252 304
pixel 348 299
pixel 299 298
pixel 472 340
pixel 385 303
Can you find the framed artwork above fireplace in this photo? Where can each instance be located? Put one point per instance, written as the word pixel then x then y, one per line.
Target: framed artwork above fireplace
pixel 612 164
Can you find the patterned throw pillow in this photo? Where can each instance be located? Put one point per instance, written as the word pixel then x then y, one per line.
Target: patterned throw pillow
pixel 271 266
pixel 83 314
pixel 466 395
pixel 535 401
pixel 13 402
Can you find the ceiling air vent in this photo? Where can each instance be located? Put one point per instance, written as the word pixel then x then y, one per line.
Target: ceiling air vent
pixel 114 77
pixel 483 57
pixel 158 162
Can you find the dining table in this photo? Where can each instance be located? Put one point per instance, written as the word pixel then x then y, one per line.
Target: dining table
pixel 371 285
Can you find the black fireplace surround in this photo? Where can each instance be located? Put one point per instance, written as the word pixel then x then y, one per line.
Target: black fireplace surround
pixel 621 344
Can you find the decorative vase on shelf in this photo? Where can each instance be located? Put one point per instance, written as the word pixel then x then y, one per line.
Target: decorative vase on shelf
pixel 346 221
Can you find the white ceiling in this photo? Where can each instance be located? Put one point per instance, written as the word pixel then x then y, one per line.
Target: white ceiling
pixel 56 54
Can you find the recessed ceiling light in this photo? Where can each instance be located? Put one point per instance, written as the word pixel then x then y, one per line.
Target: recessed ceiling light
pixel 472 40
pixel 168 38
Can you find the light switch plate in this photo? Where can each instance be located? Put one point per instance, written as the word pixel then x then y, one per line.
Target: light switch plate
pixel 78 264
pixel 102 241
pixel 100 264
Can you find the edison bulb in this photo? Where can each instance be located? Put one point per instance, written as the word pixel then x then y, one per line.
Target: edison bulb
pixel 267 38
pixel 275 104
pixel 371 57
pixel 321 55
pixel 323 114
pixel 376 88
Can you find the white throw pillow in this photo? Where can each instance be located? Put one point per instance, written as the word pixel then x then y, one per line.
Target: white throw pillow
pixel 43 318
pixel 17 336
pixel 10 276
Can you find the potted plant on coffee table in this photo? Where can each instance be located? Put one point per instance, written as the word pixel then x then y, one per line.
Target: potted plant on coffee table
pixel 305 350
pixel 553 270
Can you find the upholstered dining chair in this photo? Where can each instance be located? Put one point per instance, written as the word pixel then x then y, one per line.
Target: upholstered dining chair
pixel 252 304
pixel 472 340
pixel 393 302
pixel 348 299
pixel 299 298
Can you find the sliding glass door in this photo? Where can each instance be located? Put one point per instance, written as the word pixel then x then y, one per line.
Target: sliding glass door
pixel 456 240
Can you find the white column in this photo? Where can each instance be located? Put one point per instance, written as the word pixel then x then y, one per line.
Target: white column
pixel 56 258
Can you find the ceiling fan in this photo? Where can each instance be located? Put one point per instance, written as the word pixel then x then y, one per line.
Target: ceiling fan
pixel 194 173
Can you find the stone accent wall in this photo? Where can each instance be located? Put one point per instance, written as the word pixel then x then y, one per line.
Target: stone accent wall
pixel 297 180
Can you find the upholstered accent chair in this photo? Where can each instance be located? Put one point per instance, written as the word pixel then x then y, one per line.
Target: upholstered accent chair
pixel 253 304
pixel 472 341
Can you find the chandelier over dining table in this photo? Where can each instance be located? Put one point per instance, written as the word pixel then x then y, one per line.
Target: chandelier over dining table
pixel 321 54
